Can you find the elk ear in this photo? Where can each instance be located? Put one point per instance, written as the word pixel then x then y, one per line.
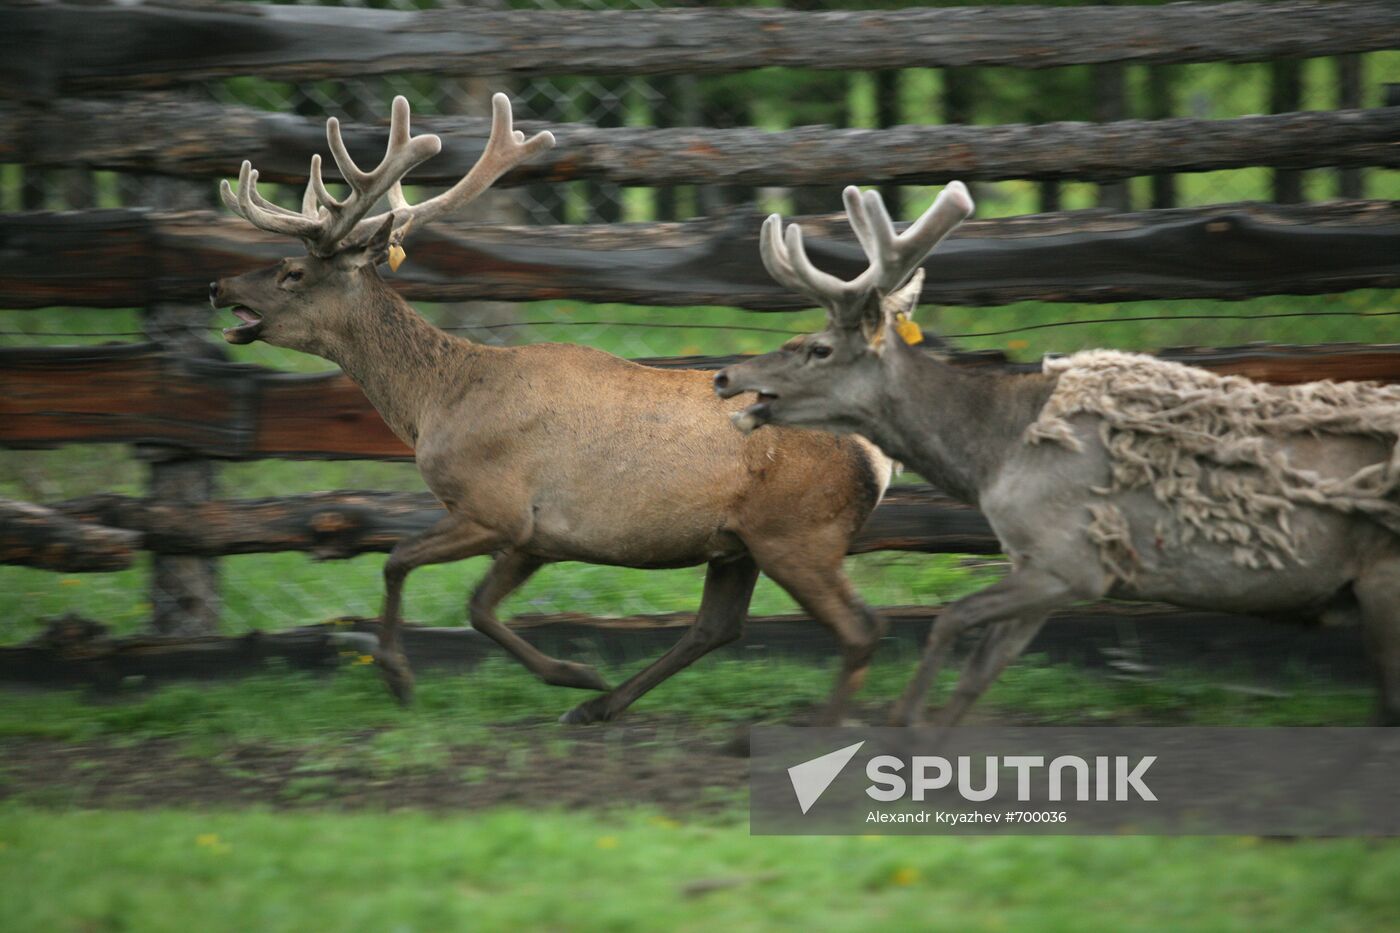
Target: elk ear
pixel 897 313
pixel 376 248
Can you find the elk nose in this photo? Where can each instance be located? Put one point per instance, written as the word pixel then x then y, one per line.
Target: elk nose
pixel 721 381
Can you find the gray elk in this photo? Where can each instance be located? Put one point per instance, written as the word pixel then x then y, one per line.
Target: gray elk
pixel 553 452
pixel 1107 474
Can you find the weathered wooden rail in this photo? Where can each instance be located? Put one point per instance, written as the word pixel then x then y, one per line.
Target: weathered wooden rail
pixel 193 139
pixel 137 394
pixel 51 46
pixel 54 540
pixel 126 258
pixel 341 524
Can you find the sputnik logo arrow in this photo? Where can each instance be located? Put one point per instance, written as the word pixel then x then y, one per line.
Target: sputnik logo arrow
pixel 811 778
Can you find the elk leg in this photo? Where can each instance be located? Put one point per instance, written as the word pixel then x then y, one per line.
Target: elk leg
pixel 450 539
pixel 723 608
pixel 827 596
pixel 1023 592
pixel 1002 644
pixel 509 572
pixel 1378 592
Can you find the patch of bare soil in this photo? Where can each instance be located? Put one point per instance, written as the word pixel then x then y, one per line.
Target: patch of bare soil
pixel 670 764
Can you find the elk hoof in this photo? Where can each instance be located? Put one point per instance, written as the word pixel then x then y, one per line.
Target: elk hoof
pixel 905 715
pixel 571 674
pixel 595 710
pixel 398 677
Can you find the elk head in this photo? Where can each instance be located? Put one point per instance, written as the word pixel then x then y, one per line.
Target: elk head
pixel 299 300
pixel 836 379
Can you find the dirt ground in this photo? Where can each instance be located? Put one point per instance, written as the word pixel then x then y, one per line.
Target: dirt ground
pixel 664 762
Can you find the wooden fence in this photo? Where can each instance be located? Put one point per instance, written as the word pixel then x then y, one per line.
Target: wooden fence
pixel 185 138
pixel 179 399
pixel 98 47
pixel 130 258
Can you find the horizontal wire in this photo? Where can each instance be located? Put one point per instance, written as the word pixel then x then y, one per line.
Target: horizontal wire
pixel 1173 317
pixel 1136 319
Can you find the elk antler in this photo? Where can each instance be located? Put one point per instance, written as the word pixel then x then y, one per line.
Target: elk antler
pixel 893 257
pixel 328 224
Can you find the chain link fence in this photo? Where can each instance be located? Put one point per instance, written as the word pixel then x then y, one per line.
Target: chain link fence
pixel 281 589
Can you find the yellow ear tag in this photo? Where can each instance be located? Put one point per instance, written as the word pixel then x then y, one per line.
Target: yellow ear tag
pixel 907 329
pixel 397 256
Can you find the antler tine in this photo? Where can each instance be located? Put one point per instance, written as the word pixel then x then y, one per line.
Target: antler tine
pixel 404 151
pixel 310 203
pixel 844 301
pixel 505 149
pixel 326 222
pixel 259 211
pixel 858 219
pixel 893 258
pixel 785 258
pixel 773 251
pixel 316 188
pixel 901 254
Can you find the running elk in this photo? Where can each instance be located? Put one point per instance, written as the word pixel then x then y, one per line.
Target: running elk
pixel 1107 474
pixel 553 452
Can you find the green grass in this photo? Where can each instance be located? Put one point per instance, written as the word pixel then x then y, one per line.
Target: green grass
pixel 299 708
pixel 616 866
pixel 513 870
pixel 275 591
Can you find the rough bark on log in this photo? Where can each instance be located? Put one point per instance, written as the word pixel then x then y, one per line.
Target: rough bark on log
pixel 51 47
pixel 134 394
pixel 37 536
pixel 126 258
pixel 331 525
pixel 131 394
pixel 198 140
pixel 327 525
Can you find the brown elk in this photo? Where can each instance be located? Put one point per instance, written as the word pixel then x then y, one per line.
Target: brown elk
pixel 554 452
pixel 1108 474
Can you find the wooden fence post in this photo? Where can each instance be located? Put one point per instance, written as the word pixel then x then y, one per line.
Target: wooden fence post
pixel 1161 106
pixel 959 91
pixel 1286 94
pixel 1110 106
pixel 184 590
pixel 603 199
pixel 1349 180
pixel 33 189
pixel 887 115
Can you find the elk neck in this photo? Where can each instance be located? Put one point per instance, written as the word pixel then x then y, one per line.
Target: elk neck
pixel 955 425
pixel 403 363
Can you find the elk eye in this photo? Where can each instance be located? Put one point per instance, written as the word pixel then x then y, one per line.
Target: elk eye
pixel 821 351
pixel 293 275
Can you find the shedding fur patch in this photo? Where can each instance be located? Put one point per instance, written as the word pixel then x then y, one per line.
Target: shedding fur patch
pixel 882 466
pixel 1206 446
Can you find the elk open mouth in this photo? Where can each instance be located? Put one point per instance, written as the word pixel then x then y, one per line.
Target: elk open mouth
pixel 246 332
pixel 756 415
